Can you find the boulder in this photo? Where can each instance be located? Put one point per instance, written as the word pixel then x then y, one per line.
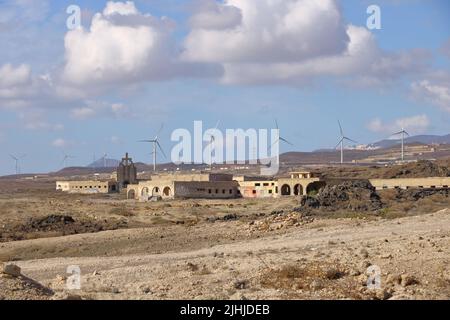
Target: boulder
pixel 11 270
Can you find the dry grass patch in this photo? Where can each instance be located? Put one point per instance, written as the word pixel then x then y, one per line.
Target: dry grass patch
pixel 324 280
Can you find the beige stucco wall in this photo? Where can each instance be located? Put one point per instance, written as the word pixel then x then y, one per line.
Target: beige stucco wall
pixel 86 187
pixel 206 190
pixel 147 189
pixel 292 183
pixel 405 183
pixel 258 189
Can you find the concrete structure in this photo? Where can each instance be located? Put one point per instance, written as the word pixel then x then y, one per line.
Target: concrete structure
pixel 222 186
pixel 299 184
pixel 87 187
pixel 176 186
pixel 256 187
pixel 126 172
pixel 411 183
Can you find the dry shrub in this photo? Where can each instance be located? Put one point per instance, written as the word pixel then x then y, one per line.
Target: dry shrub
pixel 312 277
pixel 122 211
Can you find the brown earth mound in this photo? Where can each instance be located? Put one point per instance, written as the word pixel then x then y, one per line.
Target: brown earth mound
pixel 55 225
pixel 419 169
pixel 22 288
pixel 414 195
pixel 358 195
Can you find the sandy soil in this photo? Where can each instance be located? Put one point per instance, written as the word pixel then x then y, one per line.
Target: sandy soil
pixel 324 259
pixel 223 249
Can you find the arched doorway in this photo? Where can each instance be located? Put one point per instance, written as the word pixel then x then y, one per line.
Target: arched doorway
pixel 156 192
pixel 298 190
pixel 167 192
pixel 286 190
pixel 144 192
pixel 314 187
pixel 132 194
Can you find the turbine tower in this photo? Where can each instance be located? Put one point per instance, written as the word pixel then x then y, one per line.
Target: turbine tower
pixel 402 133
pixel 17 161
pixel 156 145
pixel 341 142
pixel 65 159
pixel 104 159
pixel 212 143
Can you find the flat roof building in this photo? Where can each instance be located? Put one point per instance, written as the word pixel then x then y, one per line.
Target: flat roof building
pixel 87 187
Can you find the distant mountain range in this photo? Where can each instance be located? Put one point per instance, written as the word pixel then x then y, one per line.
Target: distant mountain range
pixel 423 139
pixel 325 156
pixel 317 156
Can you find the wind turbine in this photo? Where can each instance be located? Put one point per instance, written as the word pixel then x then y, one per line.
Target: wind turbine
pixel 402 133
pixel 65 159
pixel 104 159
pixel 17 160
pixel 156 145
pixel 280 138
pixel 341 142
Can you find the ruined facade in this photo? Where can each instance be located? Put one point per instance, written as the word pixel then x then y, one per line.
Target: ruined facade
pixel 179 186
pixel 222 186
pixel 87 187
pixel 126 172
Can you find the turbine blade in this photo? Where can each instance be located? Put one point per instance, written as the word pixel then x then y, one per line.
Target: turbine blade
pixel 159 131
pixel 276 124
pixel 162 151
pixel 348 139
pixel 406 133
pixel 284 140
pixel 270 147
pixel 217 124
pixel 340 141
pixel 340 128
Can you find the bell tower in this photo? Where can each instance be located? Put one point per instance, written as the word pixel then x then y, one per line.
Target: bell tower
pixel 126 172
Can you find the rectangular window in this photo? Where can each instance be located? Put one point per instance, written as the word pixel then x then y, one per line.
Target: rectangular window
pixel 266 184
pixel 257 184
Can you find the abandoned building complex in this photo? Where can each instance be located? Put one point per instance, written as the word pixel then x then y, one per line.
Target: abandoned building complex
pixel 222 186
pixel 87 187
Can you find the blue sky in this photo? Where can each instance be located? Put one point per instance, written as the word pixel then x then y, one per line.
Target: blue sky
pixel 91 91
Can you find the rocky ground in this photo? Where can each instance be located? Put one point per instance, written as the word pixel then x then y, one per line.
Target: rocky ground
pixel 314 260
pixel 323 248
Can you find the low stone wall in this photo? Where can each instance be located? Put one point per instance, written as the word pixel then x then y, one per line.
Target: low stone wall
pixel 411 183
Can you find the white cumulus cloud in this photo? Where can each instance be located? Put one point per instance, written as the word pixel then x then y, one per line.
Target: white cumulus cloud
pixel 292 41
pixel 59 143
pixel 93 109
pixel 123 45
pixel 435 91
pixel 414 125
